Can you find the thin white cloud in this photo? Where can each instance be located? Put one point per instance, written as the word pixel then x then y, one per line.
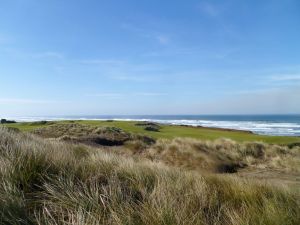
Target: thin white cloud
pixel 286 77
pixel 25 101
pixel 268 101
pixel 158 36
pixel 209 9
pixel 123 70
pixel 130 78
pixel 150 94
pixel 123 95
pixel 102 61
pixel 5 39
pixel 162 39
pixel 106 95
pixel 35 55
pixel 42 55
pixel 202 53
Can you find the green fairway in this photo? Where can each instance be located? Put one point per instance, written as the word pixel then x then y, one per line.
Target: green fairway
pixel 170 131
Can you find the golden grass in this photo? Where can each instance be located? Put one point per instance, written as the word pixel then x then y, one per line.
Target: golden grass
pixel 219 155
pixel 51 182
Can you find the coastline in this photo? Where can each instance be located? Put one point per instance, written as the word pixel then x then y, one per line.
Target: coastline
pixel 167 131
pixel 273 125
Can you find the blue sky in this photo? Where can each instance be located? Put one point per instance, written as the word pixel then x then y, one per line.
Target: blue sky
pixel 149 57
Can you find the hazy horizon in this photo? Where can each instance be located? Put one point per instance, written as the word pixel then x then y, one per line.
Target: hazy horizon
pixel 124 115
pixel 149 58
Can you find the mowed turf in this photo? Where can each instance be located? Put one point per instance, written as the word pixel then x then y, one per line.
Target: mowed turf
pixel 172 131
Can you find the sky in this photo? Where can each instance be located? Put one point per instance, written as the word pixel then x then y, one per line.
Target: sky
pixel 140 57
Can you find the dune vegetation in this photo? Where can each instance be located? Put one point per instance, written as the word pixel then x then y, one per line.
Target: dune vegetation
pixel 165 131
pixel 217 155
pixel 66 178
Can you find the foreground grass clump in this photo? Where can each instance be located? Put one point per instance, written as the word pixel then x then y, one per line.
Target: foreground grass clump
pixel 50 182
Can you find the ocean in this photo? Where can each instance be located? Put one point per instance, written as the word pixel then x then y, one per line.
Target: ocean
pixel 279 125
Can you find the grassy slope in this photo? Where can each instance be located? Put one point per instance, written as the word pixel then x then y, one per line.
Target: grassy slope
pixel 170 132
pixel 50 182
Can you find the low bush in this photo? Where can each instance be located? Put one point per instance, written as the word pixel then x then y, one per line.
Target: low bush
pixel 149 126
pixel 152 128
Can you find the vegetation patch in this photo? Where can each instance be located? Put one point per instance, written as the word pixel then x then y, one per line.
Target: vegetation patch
pixel 224 155
pixel 43 122
pixel 92 135
pixel 230 167
pixel 5 121
pixel 292 145
pixel 149 126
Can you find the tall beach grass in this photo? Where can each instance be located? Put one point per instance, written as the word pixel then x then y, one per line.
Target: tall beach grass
pixel 52 182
